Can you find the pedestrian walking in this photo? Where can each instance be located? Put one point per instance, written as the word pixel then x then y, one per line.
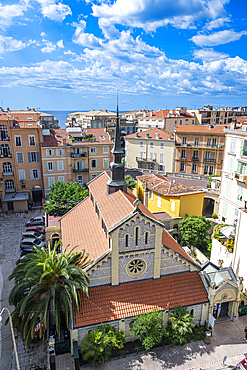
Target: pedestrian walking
pixel 245 333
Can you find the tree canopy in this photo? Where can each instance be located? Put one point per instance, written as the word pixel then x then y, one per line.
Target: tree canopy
pixel 63 197
pixel 44 281
pixel 131 183
pixel 194 230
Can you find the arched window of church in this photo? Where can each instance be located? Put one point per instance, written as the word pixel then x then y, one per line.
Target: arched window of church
pixel 137 235
pixel 146 237
pixel 192 312
pixel 126 241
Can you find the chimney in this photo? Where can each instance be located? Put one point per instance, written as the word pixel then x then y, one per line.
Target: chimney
pixel 147 136
pixel 64 141
pixel 157 136
pixel 136 134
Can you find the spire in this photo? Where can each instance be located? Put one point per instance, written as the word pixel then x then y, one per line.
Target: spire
pixel 117 181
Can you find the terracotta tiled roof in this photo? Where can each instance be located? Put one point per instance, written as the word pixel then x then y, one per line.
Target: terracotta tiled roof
pixel 108 303
pixel 163 186
pixel 81 227
pixel 164 113
pixel 201 129
pixel 163 135
pixel 58 135
pixel 4 117
pixel 169 242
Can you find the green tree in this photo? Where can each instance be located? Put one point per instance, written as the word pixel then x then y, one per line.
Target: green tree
pixel 123 161
pixel 63 197
pixel 97 345
pixel 194 230
pixel 180 326
pixel 131 183
pixel 44 281
pixel 148 327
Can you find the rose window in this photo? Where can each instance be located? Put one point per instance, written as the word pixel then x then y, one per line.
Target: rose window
pixel 136 267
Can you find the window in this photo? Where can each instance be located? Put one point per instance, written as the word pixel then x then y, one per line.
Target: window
pixel 151 156
pixel 151 144
pixel 33 156
pixel 211 170
pixel 50 166
pixel 195 154
pixel 180 122
pixel 5 151
pixel 232 145
pixel 141 144
pixel 146 237
pixel 181 167
pixel 207 156
pixel 19 157
pixel 140 165
pixel 150 166
pixel 243 150
pixel 159 201
pixel 22 175
pixel 9 184
pixel 3 133
pixel 60 152
pixel 105 149
pixel 161 167
pixel 184 140
pixel 105 163
pixel 92 177
pixel 194 167
pixel 212 156
pixel 192 312
pixel 227 188
pixel 93 150
pixel 136 267
pixel 239 194
pixel 49 152
pixel 205 169
pixel 94 163
pixel 102 138
pixel 17 140
pixel 208 142
pixel 161 158
pixel 224 209
pixel 196 141
pixel 80 179
pixel 61 178
pixel 162 145
pixel 126 241
pixel 35 174
pixel 60 165
pixel 7 167
pixel 183 154
pixel 173 204
pixel 193 121
pixel 79 165
pixel 51 181
pixel 31 140
pixel 141 155
pixel 214 143
pixel 136 235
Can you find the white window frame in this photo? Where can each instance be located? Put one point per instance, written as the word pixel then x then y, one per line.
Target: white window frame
pixel 173 206
pixel 33 155
pixel 21 157
pixel 51 181
pixel 151 195
pixel 161 157
pixel 22 175
pixel 162 145
pixel 141 144
pixel 61 178
pixel 105 149
pixel 93 150
pixel 106 163
pixel 181 165
pixel 49 152
pixel 91 162
pixel 18 137
pixel 60 166
pixel 151 144
pixel 159 200
pixel 30 138
pixel 60 152
pixel 50 164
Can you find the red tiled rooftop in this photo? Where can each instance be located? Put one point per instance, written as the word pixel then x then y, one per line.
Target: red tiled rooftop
pixel 201 129
pixel 169 242
pixel 163 135
pixel 108 303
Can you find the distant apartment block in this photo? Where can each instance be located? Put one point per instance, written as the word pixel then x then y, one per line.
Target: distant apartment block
pixel 74 154
pixel 215 116
pixel 152 149
pixel 199 149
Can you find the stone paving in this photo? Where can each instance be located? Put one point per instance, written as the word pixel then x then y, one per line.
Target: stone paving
pixel 227 340
pixel 11 227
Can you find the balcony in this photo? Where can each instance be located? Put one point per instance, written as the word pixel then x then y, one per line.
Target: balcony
pixel 182 158
pixel 4 138
pixel 177 144
pixel 141 159
pixel 8 173
pixel 244 153
pixel 209 160
pixel 78 155
pixel 6 155
pixel 10 190
pixel 81 170
pixel 195 159
pixel 240 177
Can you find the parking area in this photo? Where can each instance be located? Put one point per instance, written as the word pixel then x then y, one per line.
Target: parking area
pixel 11 228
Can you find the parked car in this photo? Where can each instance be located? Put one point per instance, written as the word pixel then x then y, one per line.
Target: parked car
pixel 33 234
pixel 242 365
pixel 38 220
pixel 24 252
pixel 30 242
pixel 38 229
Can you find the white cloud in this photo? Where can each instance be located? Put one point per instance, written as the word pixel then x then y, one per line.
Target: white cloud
pixel 10 11
pixel 60 44
pixel 10 44
pixel 217 23
pixel 69 52
pixel 50 47
pixel 54 11
pixel 42 34
pixel 217 38
pixel 151 14
pixel 209 55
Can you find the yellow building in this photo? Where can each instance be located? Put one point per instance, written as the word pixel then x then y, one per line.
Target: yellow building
pixel 20 160
pixel 158 194
pixel 74 155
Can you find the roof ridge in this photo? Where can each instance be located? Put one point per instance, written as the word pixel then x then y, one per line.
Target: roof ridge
pixel 123 194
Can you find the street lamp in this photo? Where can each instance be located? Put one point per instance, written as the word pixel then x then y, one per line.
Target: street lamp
pixel 13 336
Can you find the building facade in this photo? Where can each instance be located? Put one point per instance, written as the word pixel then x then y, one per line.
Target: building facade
pixel 152 149
pixel 199 149
pixel 74 155
pixel 210 116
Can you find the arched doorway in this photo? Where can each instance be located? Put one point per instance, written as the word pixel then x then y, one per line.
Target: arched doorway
pixel 208 207
pixel 55 238
pixel 37 195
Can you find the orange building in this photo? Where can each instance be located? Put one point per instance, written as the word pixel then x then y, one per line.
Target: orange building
pixel 199 149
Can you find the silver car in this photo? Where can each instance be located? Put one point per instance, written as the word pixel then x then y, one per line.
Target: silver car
pixel 33 234
pixel 30 242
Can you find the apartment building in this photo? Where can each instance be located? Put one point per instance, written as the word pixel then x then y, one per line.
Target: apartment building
pixel 199 149
pixel 218 116
pixel 21 180
pixel 165 119
pixel 74 154
pixel 152 149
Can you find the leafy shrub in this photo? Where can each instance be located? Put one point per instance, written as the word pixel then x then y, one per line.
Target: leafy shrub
pixel 180 326
pixel 97 345
pixel 214 215
pixel 148 327
pixel 131 183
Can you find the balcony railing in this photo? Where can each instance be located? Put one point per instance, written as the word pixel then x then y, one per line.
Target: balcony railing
pixel 141 159
pixel 182 158
pixel 10 190
pixel 80 170
pixel 8 173
pixel 208 160
pixel 6 155
pixel 195 158
pixel 78 155
pixel 4 138
pixel 240 177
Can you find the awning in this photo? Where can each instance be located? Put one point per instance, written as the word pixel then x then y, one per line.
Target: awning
pixel 14 197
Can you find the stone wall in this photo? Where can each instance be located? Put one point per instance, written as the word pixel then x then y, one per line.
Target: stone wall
pixel 101 275
pixel 171 265
pixel 148 274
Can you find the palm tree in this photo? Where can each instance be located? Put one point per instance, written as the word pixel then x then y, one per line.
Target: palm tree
pixel 44 281
pixel 180 324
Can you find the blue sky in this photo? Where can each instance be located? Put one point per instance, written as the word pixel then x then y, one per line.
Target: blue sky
pixel 76 54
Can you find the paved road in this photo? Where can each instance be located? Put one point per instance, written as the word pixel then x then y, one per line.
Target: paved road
pixel 11 228
pixel 227 340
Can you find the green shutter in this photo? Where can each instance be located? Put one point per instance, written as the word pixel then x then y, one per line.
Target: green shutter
pixel 242 147
pixel 46 166
pixel 239 167
pixel 53 166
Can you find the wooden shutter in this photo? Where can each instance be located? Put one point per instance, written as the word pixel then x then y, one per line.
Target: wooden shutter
pixel 29 157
